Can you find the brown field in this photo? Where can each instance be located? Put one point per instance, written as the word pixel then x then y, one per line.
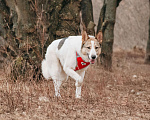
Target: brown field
pixel 123 94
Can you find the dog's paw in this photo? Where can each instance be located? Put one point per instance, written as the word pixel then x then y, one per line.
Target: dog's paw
pixel 57 95
pixel 78 96
pixel 78 92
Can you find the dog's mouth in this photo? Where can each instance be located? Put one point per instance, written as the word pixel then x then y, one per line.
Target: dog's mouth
pixel 92 61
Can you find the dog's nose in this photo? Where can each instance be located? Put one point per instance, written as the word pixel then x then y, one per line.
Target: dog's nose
pixel 93 56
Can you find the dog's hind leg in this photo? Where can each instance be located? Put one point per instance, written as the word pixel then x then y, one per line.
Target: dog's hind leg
pixel 57 84
pixel 58 76
pixel 61 76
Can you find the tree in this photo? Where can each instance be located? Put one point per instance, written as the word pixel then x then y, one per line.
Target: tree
pixel 147 58
pixel 29 26
pixel 87 16
pixel 106 25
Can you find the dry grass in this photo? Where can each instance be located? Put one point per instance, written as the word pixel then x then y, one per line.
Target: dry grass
pixel 123 94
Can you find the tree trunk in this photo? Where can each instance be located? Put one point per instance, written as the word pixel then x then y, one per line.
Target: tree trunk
pixel 107 27
pixel 147 58
pixel 101 18
pixel 29 26
pixel 87 16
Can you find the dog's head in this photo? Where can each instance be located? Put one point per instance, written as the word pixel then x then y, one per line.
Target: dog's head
pixel 91 46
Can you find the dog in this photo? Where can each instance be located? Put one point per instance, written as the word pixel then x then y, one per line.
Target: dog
pixel 71 56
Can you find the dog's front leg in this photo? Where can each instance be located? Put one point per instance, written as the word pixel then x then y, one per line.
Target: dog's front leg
pixel 79 79
pixel 70 72
pixel 79 85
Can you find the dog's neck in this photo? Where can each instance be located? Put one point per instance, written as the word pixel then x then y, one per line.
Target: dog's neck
pixel 80 63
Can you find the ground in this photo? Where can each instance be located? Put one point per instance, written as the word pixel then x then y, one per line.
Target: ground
pixel 122 94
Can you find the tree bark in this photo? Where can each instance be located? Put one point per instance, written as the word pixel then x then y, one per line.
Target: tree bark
pixel 101 18
pixel 107 15
pixel 29 26
pixel 147 57
pixel 87 16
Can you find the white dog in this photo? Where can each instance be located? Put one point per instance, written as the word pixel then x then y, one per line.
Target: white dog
pixel 70 57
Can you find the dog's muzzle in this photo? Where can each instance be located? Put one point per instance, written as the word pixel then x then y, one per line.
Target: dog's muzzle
pixel 92 60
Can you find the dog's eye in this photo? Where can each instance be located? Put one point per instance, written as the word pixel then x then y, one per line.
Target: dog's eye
pixel 88 48
pixel 96 47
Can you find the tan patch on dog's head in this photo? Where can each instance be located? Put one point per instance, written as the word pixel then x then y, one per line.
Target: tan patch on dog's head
pixel 86 38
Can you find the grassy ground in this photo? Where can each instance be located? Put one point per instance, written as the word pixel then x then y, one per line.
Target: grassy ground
pixel 123 94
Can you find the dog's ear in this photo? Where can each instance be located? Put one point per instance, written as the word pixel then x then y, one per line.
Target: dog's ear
pixel 84 37
pixel 99 37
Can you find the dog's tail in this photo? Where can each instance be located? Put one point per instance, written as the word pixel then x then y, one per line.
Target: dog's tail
pixel 45 69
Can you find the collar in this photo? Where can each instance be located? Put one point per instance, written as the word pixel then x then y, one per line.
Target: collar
pixel 80 63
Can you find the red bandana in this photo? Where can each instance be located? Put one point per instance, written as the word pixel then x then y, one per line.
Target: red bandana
pixel 80 63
